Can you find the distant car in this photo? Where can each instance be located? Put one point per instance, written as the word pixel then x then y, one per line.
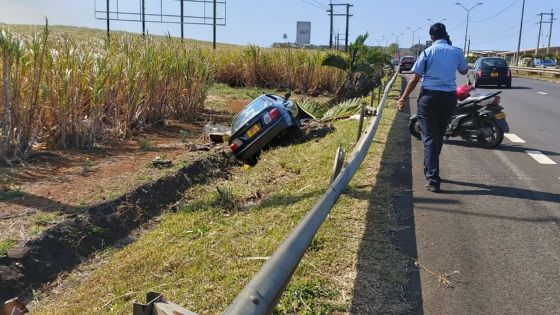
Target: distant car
pixel 544 63
pixel 490 71
pixel 267 117
pixel 395 62
pixel 406 63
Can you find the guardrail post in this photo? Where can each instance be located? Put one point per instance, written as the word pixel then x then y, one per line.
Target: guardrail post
pixel 361 122
pixel 338 162
pixel 156 305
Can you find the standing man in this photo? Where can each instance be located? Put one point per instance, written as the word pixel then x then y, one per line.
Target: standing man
pixel 437 65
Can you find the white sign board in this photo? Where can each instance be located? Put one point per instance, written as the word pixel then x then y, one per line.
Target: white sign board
pixel 303 36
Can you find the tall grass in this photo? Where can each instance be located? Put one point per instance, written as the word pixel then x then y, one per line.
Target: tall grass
pixel 68 92
pixel 281 68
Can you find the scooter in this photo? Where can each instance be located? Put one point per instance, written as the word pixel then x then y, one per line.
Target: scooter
pixel 477 118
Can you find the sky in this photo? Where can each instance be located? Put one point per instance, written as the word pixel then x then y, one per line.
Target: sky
pixel 493 25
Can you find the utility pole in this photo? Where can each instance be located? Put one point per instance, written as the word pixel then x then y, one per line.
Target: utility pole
pixel 539 37
pixel 214 36
pixel 348 5
pixel 551 15
pixel 143 13
pixel 182 16
pixel 550 31
pixel 337 37
pixel 516 59
pixel 108 16
pixel 469 47
pixel 347 15
pixel 331 28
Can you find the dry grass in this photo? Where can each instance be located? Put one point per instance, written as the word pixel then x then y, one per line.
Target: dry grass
pixel 69 90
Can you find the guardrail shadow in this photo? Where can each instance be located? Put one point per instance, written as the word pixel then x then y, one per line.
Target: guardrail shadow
pixel 394 178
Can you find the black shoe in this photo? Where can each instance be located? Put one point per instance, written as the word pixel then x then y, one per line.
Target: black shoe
pixel 432 187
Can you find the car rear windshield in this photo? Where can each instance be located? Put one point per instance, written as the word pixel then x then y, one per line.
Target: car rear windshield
pixel 407 59
pixel 493 63
pixel 255 107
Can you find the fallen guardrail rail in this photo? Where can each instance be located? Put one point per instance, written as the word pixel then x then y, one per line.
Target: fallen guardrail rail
pixel 540 71
pixel 263 292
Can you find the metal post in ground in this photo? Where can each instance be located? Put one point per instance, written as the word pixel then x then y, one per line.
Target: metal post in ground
pixel 361 122
pixel 338 162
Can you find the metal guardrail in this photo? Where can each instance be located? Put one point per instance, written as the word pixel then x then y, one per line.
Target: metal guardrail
pixel 263 292
pixel 540 71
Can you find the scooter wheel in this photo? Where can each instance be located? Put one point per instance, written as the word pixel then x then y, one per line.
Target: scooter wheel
pixel 492 136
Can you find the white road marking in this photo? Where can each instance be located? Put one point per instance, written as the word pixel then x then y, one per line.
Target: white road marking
pixel 513 138
pixel 543 93
pixel 540 157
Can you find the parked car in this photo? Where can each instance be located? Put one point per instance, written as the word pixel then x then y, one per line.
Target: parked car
pixel 544 63
pixel 490 71
pixel 267 117
pixel 395 62
pixel 406 63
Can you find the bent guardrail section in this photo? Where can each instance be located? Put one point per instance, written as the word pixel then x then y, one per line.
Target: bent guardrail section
pixel 262 293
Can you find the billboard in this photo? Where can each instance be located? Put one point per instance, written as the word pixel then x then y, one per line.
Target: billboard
pixel 303 36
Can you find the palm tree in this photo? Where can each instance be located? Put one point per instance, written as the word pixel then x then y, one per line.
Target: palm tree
pixel 359 59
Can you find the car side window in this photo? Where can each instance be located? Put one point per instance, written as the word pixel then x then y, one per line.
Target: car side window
pixel 476 63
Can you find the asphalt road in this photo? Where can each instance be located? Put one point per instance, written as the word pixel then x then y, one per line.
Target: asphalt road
pixel 494 231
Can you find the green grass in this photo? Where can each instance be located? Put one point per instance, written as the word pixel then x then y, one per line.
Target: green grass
pixel 5 246
pixel 45 218
pixel 201 256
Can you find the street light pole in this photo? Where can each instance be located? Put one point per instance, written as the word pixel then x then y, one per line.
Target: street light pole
pixel 413 33
pixel 398 46
pixel 433 22
pixel 467 28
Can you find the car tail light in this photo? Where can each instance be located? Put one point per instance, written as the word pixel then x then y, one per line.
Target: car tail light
pixel 508 74
pixel 271 115
pixel 478 74
pixel 235 144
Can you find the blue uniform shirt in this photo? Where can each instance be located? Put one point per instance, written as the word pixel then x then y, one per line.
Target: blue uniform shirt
pixel 442 61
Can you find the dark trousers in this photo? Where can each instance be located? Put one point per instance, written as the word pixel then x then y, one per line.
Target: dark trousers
pixel 434 113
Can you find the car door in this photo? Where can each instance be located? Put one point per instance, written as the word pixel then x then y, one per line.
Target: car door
pixel 472 71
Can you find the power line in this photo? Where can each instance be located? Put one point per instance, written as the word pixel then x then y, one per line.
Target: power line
pixel 498 13
pixel 323 6
pixel 312 4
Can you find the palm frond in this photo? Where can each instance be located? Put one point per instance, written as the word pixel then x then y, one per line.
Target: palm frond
pixel 343 110
pixel 315 110
pixel 336 61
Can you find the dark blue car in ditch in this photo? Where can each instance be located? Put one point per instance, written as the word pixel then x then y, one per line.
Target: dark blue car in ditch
pixel 264 119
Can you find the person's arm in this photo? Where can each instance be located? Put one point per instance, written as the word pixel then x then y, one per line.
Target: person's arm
pixel 409 88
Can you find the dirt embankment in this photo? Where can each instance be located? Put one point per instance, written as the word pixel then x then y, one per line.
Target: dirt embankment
pixel 68 243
